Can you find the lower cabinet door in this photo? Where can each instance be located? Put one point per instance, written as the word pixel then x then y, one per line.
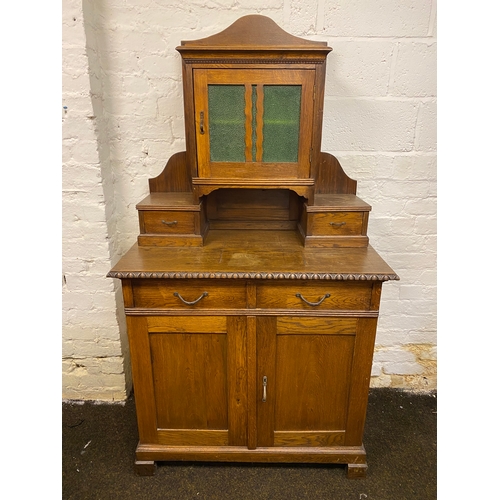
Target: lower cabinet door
pixel 305 380
pixel 190 379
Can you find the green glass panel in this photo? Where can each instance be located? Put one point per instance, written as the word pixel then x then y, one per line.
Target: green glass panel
pixel 281 123
pixel 226 105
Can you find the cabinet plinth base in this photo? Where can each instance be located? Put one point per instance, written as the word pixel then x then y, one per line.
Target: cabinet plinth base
pixel 353 456
pixel 356 471
pixel 145 467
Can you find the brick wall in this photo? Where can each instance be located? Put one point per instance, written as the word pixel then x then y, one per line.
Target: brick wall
pixel 123 92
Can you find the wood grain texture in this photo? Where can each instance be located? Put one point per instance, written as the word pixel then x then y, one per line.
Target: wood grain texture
pixel 312 381
pixel 241 254
pixel 297 325
pixel 335 241
pixel 175 176
pixel 161 294
pixel 266 367
pixel 332 178
pixel 251 32
pixel 283 295
pixel 360 380
pixel 244 205
pixel 192 437
pixel 323 313
pixel 252 295
pixel 127 293
pixel 318 97
pixel 335 223
pixel 252 381
pixel 355 455
pixel 167 221
pixel 170 240
pixel 207 168
pixel 140 359
pixel 308 438
pixel 190 380
pixel 237 374
pixel 179 201
pixel 338 203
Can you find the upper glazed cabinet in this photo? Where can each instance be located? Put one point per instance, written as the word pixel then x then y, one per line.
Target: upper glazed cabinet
pixel 253 99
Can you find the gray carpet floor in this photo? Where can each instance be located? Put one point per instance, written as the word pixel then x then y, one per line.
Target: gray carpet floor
pixel 99 442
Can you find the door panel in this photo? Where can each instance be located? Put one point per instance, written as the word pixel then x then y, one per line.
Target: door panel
pixel 190 380
pixel 198 377
pixel 312 381
pixel 253 123
pixel 308 365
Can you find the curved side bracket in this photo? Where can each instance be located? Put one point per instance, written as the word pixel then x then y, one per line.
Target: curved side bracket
pixel 331 177
pixel 175 176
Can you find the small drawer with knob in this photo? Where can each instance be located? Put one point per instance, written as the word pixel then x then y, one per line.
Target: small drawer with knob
pixel 335 221
pixel 167 222
pixel 171 219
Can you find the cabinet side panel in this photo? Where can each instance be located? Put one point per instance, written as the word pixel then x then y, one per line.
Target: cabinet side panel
pixel 128 295
pixel 143 382
pixel 319 84
pixel 360 380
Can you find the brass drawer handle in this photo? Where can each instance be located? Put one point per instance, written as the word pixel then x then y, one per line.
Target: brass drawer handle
pixel 337 224
pixel 169 223
pixel 264 386
pixel 204 294
pixel 313 303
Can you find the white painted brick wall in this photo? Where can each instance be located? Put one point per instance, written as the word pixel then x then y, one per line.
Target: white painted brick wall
pixel 379 120
pixel 94 356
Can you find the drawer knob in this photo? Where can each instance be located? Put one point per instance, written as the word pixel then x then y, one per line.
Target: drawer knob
pixel 264 386
pixel 337 224
pixel 169 223
pixel 299 295
pixel 187 302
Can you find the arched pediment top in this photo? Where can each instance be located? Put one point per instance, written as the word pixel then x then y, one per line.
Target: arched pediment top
pixel 253 32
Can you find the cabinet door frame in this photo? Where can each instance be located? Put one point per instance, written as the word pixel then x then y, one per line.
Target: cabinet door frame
pixel 247 77
pixel 140 329
pixel 362 332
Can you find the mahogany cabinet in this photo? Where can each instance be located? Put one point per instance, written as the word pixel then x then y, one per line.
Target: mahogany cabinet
pixel 252 293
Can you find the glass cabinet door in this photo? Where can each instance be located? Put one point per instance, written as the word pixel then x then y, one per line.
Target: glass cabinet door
pixel 254 123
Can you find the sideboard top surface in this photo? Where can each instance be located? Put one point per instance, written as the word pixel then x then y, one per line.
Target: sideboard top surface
pixel 255 255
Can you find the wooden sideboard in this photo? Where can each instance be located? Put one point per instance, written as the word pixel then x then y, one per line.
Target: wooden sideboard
pixel 252 293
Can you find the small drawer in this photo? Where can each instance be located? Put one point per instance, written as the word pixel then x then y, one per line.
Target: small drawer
pixel 315 296
pixel 167 222
pixel 187 294
pixel 336 223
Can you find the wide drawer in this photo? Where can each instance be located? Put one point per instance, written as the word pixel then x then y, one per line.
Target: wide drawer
pixel 167 222
pixel 315 295
pixel 335 223
pixel 186 294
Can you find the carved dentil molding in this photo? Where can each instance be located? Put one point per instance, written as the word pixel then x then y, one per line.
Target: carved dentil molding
pixel 254 275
